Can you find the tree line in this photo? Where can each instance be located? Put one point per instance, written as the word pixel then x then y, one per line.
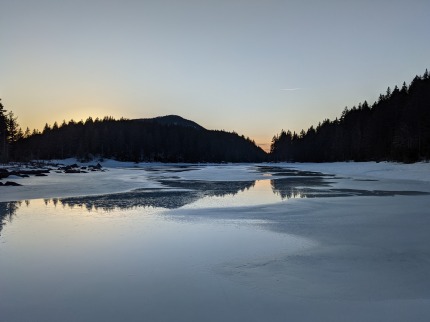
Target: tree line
pixel 125 140
pixel 134 140
pixel 396 127
pixel 10 132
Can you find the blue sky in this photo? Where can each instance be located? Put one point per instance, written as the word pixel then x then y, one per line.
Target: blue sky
pixel 254 67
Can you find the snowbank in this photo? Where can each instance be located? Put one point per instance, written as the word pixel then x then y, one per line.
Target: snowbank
pixel 382 170
pixel 57 185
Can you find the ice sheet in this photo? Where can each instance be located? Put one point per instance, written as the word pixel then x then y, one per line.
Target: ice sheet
pixel 358 258
pixel 126 176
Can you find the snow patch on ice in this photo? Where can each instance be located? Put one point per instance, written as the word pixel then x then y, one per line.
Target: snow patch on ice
pixel 378 170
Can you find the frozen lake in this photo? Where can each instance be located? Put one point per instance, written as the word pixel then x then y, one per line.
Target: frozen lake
pixel 219 243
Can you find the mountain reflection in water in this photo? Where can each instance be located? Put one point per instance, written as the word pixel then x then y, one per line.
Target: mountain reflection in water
pixel 178 193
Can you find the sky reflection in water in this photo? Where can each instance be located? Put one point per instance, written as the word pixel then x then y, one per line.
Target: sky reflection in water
pixel 191 194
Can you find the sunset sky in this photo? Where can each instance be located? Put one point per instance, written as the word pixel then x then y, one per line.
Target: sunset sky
pixel 254 67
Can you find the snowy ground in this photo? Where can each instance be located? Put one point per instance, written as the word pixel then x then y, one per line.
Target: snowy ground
pixel 376 170
pixel 360 253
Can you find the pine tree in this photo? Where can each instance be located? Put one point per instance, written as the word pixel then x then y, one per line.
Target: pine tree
pixel 3 134
pixel 12 127
pixel 388 93
pixel 27 133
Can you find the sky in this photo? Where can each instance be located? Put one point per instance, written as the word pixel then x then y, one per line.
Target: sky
pixel 253 67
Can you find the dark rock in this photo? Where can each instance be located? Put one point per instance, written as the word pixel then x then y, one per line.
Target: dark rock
pixel 11 183
pixel 40 175
pixel 31 172
pixel 4 173
pixel 97 167
pixel 72 171
pixel 73 167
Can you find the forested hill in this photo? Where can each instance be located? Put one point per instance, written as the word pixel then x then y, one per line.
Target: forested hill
pixel 165 139
pixel 173 120
pixel 396 127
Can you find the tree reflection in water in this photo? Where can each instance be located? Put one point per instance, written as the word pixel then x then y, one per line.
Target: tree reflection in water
pixel 7 211
pixel 178 194
pixel 317 187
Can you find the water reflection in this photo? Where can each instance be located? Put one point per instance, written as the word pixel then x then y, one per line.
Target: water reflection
pixel 181 193
pixel 157 198
pixel 7 211
pixel 295 187
pixel 287 189
pixel 178 194
pixel 289 184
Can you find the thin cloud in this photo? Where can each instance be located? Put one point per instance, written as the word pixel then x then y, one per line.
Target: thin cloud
pixel 291 89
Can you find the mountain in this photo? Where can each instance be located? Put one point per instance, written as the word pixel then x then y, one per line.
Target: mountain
pixel 164 139
pixel 174 120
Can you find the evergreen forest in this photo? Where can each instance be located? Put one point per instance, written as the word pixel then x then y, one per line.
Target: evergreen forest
pixel 164 139
pixel 394 128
